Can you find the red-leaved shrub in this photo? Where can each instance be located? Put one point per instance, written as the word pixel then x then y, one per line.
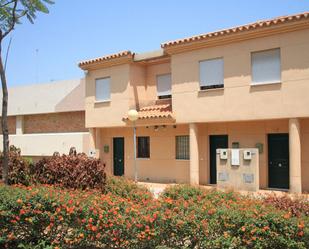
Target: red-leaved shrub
pixel 296 206
pixel 19 167
pixel 70 171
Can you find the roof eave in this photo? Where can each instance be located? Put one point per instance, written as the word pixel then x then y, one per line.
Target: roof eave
pixel 234 35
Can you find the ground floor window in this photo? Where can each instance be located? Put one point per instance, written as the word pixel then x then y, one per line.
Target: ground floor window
pixel 182 147
pixel 143 147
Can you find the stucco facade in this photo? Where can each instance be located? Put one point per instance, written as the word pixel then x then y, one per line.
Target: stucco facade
pixel 248 114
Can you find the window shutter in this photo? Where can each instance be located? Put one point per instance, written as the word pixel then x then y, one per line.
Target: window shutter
pixel 102 89
pixel 212 72
pixel 164 85
pixel 266 66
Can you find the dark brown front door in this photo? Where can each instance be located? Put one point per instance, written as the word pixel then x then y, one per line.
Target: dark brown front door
pixel 278 161
pixel 118 151
pixel 215 142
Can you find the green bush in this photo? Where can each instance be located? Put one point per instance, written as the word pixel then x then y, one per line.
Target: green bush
pixel 126 188
pixel 38 217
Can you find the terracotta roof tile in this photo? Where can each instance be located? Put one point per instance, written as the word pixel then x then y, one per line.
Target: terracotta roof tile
pixel 255 25
pixel 105 58
pixel 155 111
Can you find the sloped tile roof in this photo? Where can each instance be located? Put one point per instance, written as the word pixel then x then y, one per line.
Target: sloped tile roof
pixel 251 26
pixel 155 111
pixel 105 58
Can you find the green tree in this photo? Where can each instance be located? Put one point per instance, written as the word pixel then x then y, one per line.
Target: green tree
pixel 11 13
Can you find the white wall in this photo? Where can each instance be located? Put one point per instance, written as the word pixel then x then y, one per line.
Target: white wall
pixel 47 143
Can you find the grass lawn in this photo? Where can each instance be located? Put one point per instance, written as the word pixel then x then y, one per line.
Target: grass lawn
pixel 127 216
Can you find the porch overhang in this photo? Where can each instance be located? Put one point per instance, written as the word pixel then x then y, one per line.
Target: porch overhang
pixel 157 114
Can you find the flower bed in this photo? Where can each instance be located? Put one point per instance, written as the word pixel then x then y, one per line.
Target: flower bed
pixel 184 217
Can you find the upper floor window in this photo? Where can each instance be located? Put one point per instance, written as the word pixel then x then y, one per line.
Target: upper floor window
pixel 164 86
pixel 143 147
pixel 211 74
pixel 102 89
pixel 266 66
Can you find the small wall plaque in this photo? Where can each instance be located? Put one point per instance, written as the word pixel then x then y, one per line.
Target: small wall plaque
pixel 223 176
pixel 106 148
pixel 235 145
pixel 259 146
pixel 248 178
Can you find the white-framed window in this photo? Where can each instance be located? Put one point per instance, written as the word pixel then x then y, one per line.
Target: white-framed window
pixel 102 89
pixel 212 73
pixel 182 147
pixel 266 66
pixel 164 86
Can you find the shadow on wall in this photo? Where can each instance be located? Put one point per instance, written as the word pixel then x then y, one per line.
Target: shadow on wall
pixel 74 101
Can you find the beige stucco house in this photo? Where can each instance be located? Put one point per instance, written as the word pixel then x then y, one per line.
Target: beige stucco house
pixel 243 87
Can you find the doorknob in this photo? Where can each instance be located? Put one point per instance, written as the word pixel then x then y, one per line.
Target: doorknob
pixel 279 165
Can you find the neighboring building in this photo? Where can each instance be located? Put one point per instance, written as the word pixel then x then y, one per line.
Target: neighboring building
pixel 45 118
pixel 242 87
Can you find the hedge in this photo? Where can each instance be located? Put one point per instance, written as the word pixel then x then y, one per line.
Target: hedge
pixel 183 217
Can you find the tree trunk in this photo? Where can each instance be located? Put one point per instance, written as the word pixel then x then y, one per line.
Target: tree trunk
pixel 4 121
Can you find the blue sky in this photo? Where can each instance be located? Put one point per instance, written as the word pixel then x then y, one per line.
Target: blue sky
pixel 76 30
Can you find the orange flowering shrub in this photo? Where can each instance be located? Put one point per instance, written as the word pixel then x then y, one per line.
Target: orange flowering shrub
pixel 183 217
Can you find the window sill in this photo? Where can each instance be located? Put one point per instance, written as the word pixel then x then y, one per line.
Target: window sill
pixel 102 101
pixel 211 89
pixel 265 83
pixel 164 97
pixel 180 160
pixel 143 158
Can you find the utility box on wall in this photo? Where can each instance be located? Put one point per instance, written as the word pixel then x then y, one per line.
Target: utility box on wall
pixel 240 170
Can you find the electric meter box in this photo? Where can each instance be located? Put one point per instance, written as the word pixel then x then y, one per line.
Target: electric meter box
pixel 92 153
pixel 247 155
pixel 223 154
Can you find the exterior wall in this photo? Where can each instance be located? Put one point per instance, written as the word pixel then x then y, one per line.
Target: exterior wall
pixel 59 96
pixel 11 125
pixel 132 86
pixel 247 134
pixel 152 72
pixel 55 122
pixel 238 100
pixel 304 126
pixel 98 114
pixel 162 165
pixel 46 144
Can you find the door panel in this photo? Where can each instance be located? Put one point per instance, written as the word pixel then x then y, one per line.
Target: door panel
pixel 118 156
pixel 215 142
pixel 278 161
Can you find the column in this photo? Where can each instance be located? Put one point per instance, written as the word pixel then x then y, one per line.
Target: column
pixel 97 142
pixel 295 155
pixel 194 156
pixel 92 137
pixel 19 125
